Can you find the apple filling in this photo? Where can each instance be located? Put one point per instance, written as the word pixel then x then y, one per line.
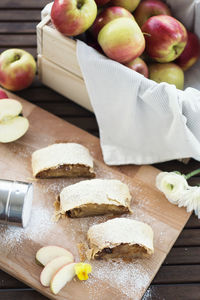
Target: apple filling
pixel 120 238
pixel 91 209
pixel 96 209
pixel 67 170
pixel 125 251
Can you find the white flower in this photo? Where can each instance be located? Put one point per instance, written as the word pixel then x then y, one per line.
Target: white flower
pixel 191 200
pixel 173 185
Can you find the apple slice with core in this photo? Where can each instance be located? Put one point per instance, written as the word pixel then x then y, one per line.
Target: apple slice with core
pixel 12 129
pixel 46 254
pixel 52 267
pixel 9 108
pixel 64 275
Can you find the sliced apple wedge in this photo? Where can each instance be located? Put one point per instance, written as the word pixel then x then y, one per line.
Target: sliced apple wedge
pixel 52 267
pixel 9 108
pixel 46 254
pixel 65 274
pixel 12 129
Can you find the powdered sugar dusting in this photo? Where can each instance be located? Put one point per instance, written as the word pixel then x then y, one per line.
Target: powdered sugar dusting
pixel 11 237
pixel 130 279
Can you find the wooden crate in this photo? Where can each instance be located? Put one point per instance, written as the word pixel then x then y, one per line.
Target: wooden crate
pixel 58 66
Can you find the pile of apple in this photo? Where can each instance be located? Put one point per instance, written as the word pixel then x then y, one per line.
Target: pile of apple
pixel 127 29
pixel 12 123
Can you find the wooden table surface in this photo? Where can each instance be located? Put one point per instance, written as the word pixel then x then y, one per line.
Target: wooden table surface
pixel 179 276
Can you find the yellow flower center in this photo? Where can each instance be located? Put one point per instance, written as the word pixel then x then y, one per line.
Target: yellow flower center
pixel 82 270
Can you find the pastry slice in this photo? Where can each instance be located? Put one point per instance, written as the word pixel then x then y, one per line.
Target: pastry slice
pixel 62 160
pixel 94 197
pixel 120 238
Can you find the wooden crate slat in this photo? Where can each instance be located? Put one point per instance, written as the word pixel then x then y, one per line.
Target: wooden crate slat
pixel 18 27
pixel 173 292
pixel 39 4
pixel 178 274
pixel 193 222
pixel 20 15
pixel 63 82
pixel 9 282
pixel 28 294
pixel 189 237
pixel 65 54
pixel 183 255
pixel 155 292
pixel 12 40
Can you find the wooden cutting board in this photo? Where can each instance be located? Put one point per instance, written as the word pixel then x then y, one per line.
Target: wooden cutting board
pixel 109 279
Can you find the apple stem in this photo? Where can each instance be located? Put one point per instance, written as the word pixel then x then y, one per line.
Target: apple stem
pixel 145 33
pixel 16 57
pixel 79 4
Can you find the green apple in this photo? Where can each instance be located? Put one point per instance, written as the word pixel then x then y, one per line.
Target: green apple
pixel 169 72
pixel 122 40
pixel 17 69
pixel 107 15
pixel 128 4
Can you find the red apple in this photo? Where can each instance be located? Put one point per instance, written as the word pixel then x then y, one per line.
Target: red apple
pixel 3 95
pixel 73 17
pixel 139 66
pixel 108 15
pixel 122 40
pixel 17 69
pixel 191 52
pixel 150 8
pixel 170 73
pixel 128 4
pixel 101 2
pixel 165 38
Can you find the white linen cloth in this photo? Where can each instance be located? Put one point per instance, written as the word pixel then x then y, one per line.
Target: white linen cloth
pixel 140 121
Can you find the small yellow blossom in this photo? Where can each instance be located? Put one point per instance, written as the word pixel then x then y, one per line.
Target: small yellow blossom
pixel 82 270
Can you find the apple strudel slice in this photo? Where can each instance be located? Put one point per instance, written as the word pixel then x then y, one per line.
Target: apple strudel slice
pixel 62 160
pixel 94 197
pixel 120 238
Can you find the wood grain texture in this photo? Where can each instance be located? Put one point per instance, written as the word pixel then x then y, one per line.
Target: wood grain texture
pixel 54 77
pixel 24 12
pixel 173 292
pixel 21 15
pixel 39 4
pixel 193 222
pixel 20 41
pixel 176 274
pixel 183 255
pixel 189 237
pixel 18 27
pixel 155 292
pixel 166 220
